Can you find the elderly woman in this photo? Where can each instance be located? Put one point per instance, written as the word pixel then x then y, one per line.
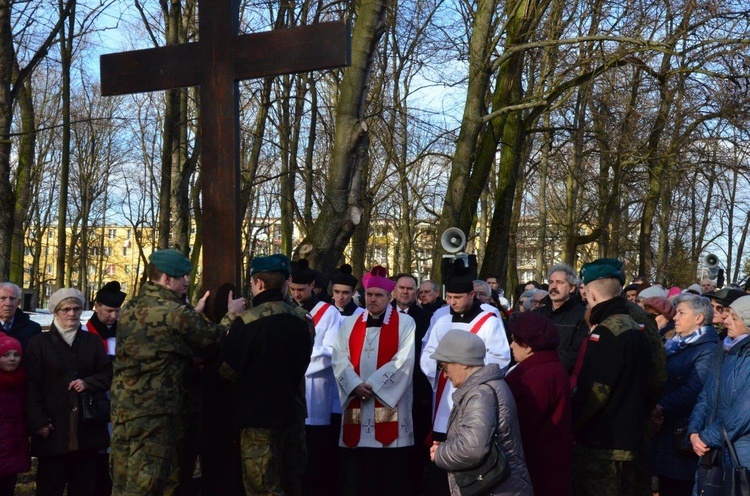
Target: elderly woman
pixel 483 407
pixel 689 354
pixel 541 389
pixel 61 364
pixel 725 398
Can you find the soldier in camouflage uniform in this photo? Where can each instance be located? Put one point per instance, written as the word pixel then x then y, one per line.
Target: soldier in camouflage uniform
pixel 266 353
pixel 611 397
pixel 157 337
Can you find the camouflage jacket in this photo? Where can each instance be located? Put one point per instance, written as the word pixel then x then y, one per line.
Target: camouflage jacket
pixel 157 337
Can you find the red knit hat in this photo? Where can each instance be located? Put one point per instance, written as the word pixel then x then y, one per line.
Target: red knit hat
pixel 8 343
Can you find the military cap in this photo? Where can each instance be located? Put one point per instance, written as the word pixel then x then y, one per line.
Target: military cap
pixel 171 262
pixel 601 269
pixel 110 295
pixel 272 263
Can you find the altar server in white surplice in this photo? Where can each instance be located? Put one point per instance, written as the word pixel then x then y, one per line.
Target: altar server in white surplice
pixel 467 314
pixel 373 361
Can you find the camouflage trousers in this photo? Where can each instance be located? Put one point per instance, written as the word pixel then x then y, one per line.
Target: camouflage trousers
pixel 273 460
pixel 593 474
pixel 144 458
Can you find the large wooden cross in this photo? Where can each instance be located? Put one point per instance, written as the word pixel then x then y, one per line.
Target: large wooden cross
pixel 216 63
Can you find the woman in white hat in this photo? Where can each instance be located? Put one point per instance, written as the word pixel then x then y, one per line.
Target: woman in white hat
pixel 724 402
pixel 60 365
pixel 483 407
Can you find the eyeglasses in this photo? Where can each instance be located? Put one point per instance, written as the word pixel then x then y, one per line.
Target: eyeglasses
pixel 442 366
pixel 537 302
pixel 70 310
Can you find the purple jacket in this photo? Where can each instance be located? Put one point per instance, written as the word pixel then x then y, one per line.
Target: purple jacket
pixel 14 441
pixel 540 386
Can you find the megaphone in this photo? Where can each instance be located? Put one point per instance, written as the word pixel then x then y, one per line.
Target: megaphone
pixel 453 240
pixel 711 261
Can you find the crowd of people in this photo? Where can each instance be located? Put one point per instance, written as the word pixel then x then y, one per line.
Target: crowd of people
pixel 321 385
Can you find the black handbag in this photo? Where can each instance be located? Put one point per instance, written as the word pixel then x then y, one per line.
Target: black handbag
pixel 493 470
pixel 715 479
pixel 95 407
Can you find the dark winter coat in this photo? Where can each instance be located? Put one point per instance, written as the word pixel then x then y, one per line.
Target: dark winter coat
pixel 540 387
pixel 482 404
pixel 49 400
pixel 23 329
pixel 686 373
pixel 14 441
pixel 725 400
pixel 570 321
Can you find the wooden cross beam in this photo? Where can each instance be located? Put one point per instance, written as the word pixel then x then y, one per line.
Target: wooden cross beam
pixel 216 63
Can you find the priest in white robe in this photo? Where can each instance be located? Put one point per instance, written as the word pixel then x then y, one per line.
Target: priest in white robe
pixel 373 362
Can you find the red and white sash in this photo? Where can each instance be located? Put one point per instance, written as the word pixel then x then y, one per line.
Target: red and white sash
pixel 90 327
pixel 386 419
pixel 319 314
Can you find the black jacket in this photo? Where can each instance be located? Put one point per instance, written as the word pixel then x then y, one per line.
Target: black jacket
pixel 267 351
pixel 48 399
pixel 610 402
pixel 570 321
pixel 23 329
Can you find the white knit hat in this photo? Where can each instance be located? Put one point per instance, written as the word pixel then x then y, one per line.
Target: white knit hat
pixel 61 294
pixel 742 306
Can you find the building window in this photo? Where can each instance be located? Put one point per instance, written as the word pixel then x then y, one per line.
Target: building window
pixel 124 287
pixel 112 234
pixel 47 290
pixel 50 234
pixel 27 251
pixel 49 269
pixel 125 250
pixel 127 234
pixel 111 270
pixel 107 251
pixel 127 269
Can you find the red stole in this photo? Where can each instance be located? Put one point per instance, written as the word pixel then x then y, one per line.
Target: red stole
pixel 319 314
pixel 386 420
pixel 90 327
pixel 443 379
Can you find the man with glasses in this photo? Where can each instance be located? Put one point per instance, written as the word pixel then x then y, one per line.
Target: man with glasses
pixel 720 300
pixel 539 299
pixel 13 321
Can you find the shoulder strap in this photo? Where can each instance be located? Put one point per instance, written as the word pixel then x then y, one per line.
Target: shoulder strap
pixel 730 448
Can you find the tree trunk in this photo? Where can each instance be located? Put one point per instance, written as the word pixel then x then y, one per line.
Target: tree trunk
pixel 341 210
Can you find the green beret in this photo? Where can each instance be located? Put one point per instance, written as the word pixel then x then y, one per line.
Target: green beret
pixel 600 269
pixel 171 262
pixel 273 263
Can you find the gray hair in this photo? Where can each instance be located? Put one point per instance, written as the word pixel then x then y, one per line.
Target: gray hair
pixel 12 287
pixel 432 283
pixel 698 304
pixel 483 285
pixel 569 273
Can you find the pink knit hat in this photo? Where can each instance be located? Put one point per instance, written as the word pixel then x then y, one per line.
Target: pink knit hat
pixel 674 291
pixel 378 278
pixel 8 343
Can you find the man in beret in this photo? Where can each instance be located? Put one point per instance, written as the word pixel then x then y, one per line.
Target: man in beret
pixel 266 354
pixel 157 338
pixel 611 397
